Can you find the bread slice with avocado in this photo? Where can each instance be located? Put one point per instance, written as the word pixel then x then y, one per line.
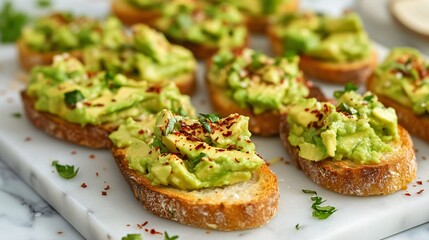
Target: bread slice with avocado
pixel 66 101
pixel 203 173
pixel 400 82
pixel 208 27
pixel 130 13
pixel 255 85
pixel 333 50
pixel 354 148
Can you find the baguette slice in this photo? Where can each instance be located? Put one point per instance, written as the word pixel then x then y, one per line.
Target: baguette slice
pixel 236 207
pixel 131 15
pixel 89 136
pixel 416 125
pixel 393 173
pixel 356 72
pixel 29 58
pixel 264 124
pixel 186 83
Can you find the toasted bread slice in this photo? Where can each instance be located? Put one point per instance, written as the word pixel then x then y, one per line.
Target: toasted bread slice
pixel 393 173
pixel 89 136
pixel 29 58
pixel 264 124
pixel 130 15
pixel 416 125
pixel 236 207
pixel 356 72
pixel 186 83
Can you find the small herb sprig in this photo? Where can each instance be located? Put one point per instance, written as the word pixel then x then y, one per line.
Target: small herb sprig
pixel 320 212
pixel 348 88
pixel 167 237
pixel 205 118
pixel 65 171
pixel 133 236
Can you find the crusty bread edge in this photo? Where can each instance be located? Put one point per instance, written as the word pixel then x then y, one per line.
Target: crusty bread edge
pixel 356 72
pixel 416 125
pixel 181 206
pixel 89 135
pixel 393 173
pixel 131 15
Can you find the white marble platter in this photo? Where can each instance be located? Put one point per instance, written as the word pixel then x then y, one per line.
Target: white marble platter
pixel 30 152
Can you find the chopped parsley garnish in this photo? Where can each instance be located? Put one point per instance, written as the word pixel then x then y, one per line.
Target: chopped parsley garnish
pixel 133 236
pixel 44 3
pixel 11 23
pixel 157 143
pixel 65 171
pixel 320 212
pixel 368 98
pixel 297 226
pixel 167 237
pixel 348 88
pixel 170 126
pixel 17 115
pixel 181 112
pixel 196 160
pixel 210 117
pixel 73 97
pixel 343 107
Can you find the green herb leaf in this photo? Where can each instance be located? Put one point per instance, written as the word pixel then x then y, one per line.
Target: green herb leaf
pixel 348 88
pixel 17 115
pixel 66 171
pixel 181 112
pixel 368 98
pixel 297 226
pixel 157 143
pixel 196 160
pixel 133 236
pixel 44 3
pixel 167 237
pixel 11 23
pixel 211 117
pixel 320 212
pixel 170 126
pixel 343 107
pixel 73 97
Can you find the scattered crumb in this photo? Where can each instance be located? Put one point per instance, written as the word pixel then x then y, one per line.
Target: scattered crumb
pixel 424 157
pixel 274 160
pixel 208 232
pixel 92 156
pixel 128 225
pixel 107 187
pixel 59 233
pixel 27 139
pixel 96 174
pixel 419 192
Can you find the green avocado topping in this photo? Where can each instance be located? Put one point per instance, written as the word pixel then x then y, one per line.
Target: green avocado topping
pixel 358 128
pixel 145 55
pixel 66 32
pixel 341 39
pixel 254 79
pixel 259 7
pixel 148 4
pixel 216 25
pixel 67 90
pixel 404 77
pixel 178 151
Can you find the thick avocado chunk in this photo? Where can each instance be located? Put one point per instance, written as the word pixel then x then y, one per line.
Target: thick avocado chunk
pixel 340 39
pixel 104 97
pixel 358 128
pixel 404 77
pixel 180 152
pixel 256 80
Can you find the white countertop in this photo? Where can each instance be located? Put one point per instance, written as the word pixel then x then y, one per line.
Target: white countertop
pixel 25 215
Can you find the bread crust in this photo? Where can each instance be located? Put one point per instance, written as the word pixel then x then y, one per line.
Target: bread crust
pixel 236 207
pixel 29 58
pixel 131 15
pixel 393 173
pixel 356 72
pixel 259 24
pixel 91 136
pixel 416 125
pixel 186 83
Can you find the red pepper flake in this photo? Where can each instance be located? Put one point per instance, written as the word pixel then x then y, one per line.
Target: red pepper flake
pixel 146 230
pixel 99 105
pixel 141 131
pixel 73 152
pixel 88 104
pixel 83 185
pixel 92 156
pixel 27 139
pixel 153 231
pixel 103 193
pixel 419 192
pixel 107 187
pixel 156 89
pixel 407 194
pixel 227 134
pixel 128 225
pixel 201 145
pixel 145 223
pixel 419 182
pixel 96 174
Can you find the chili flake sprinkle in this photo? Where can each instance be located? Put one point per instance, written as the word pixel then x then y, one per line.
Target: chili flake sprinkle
pixel 103 193
pixel 83 185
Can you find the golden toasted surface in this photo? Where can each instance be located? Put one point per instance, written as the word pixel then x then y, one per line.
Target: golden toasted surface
pixel 240 206
pixel 416 125
pixel 393 173
pixel 130 15
pixel 89 136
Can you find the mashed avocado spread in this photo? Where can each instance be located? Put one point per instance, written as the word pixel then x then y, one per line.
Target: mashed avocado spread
pixel 341 39
pixel 66 32
pixel 148 4
pixel 259 7
pixel 216 25
pixel 188 153
pixel 254 79
pixel 358 128
pixel 146 54
pixel 67 90
pixel 404 78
